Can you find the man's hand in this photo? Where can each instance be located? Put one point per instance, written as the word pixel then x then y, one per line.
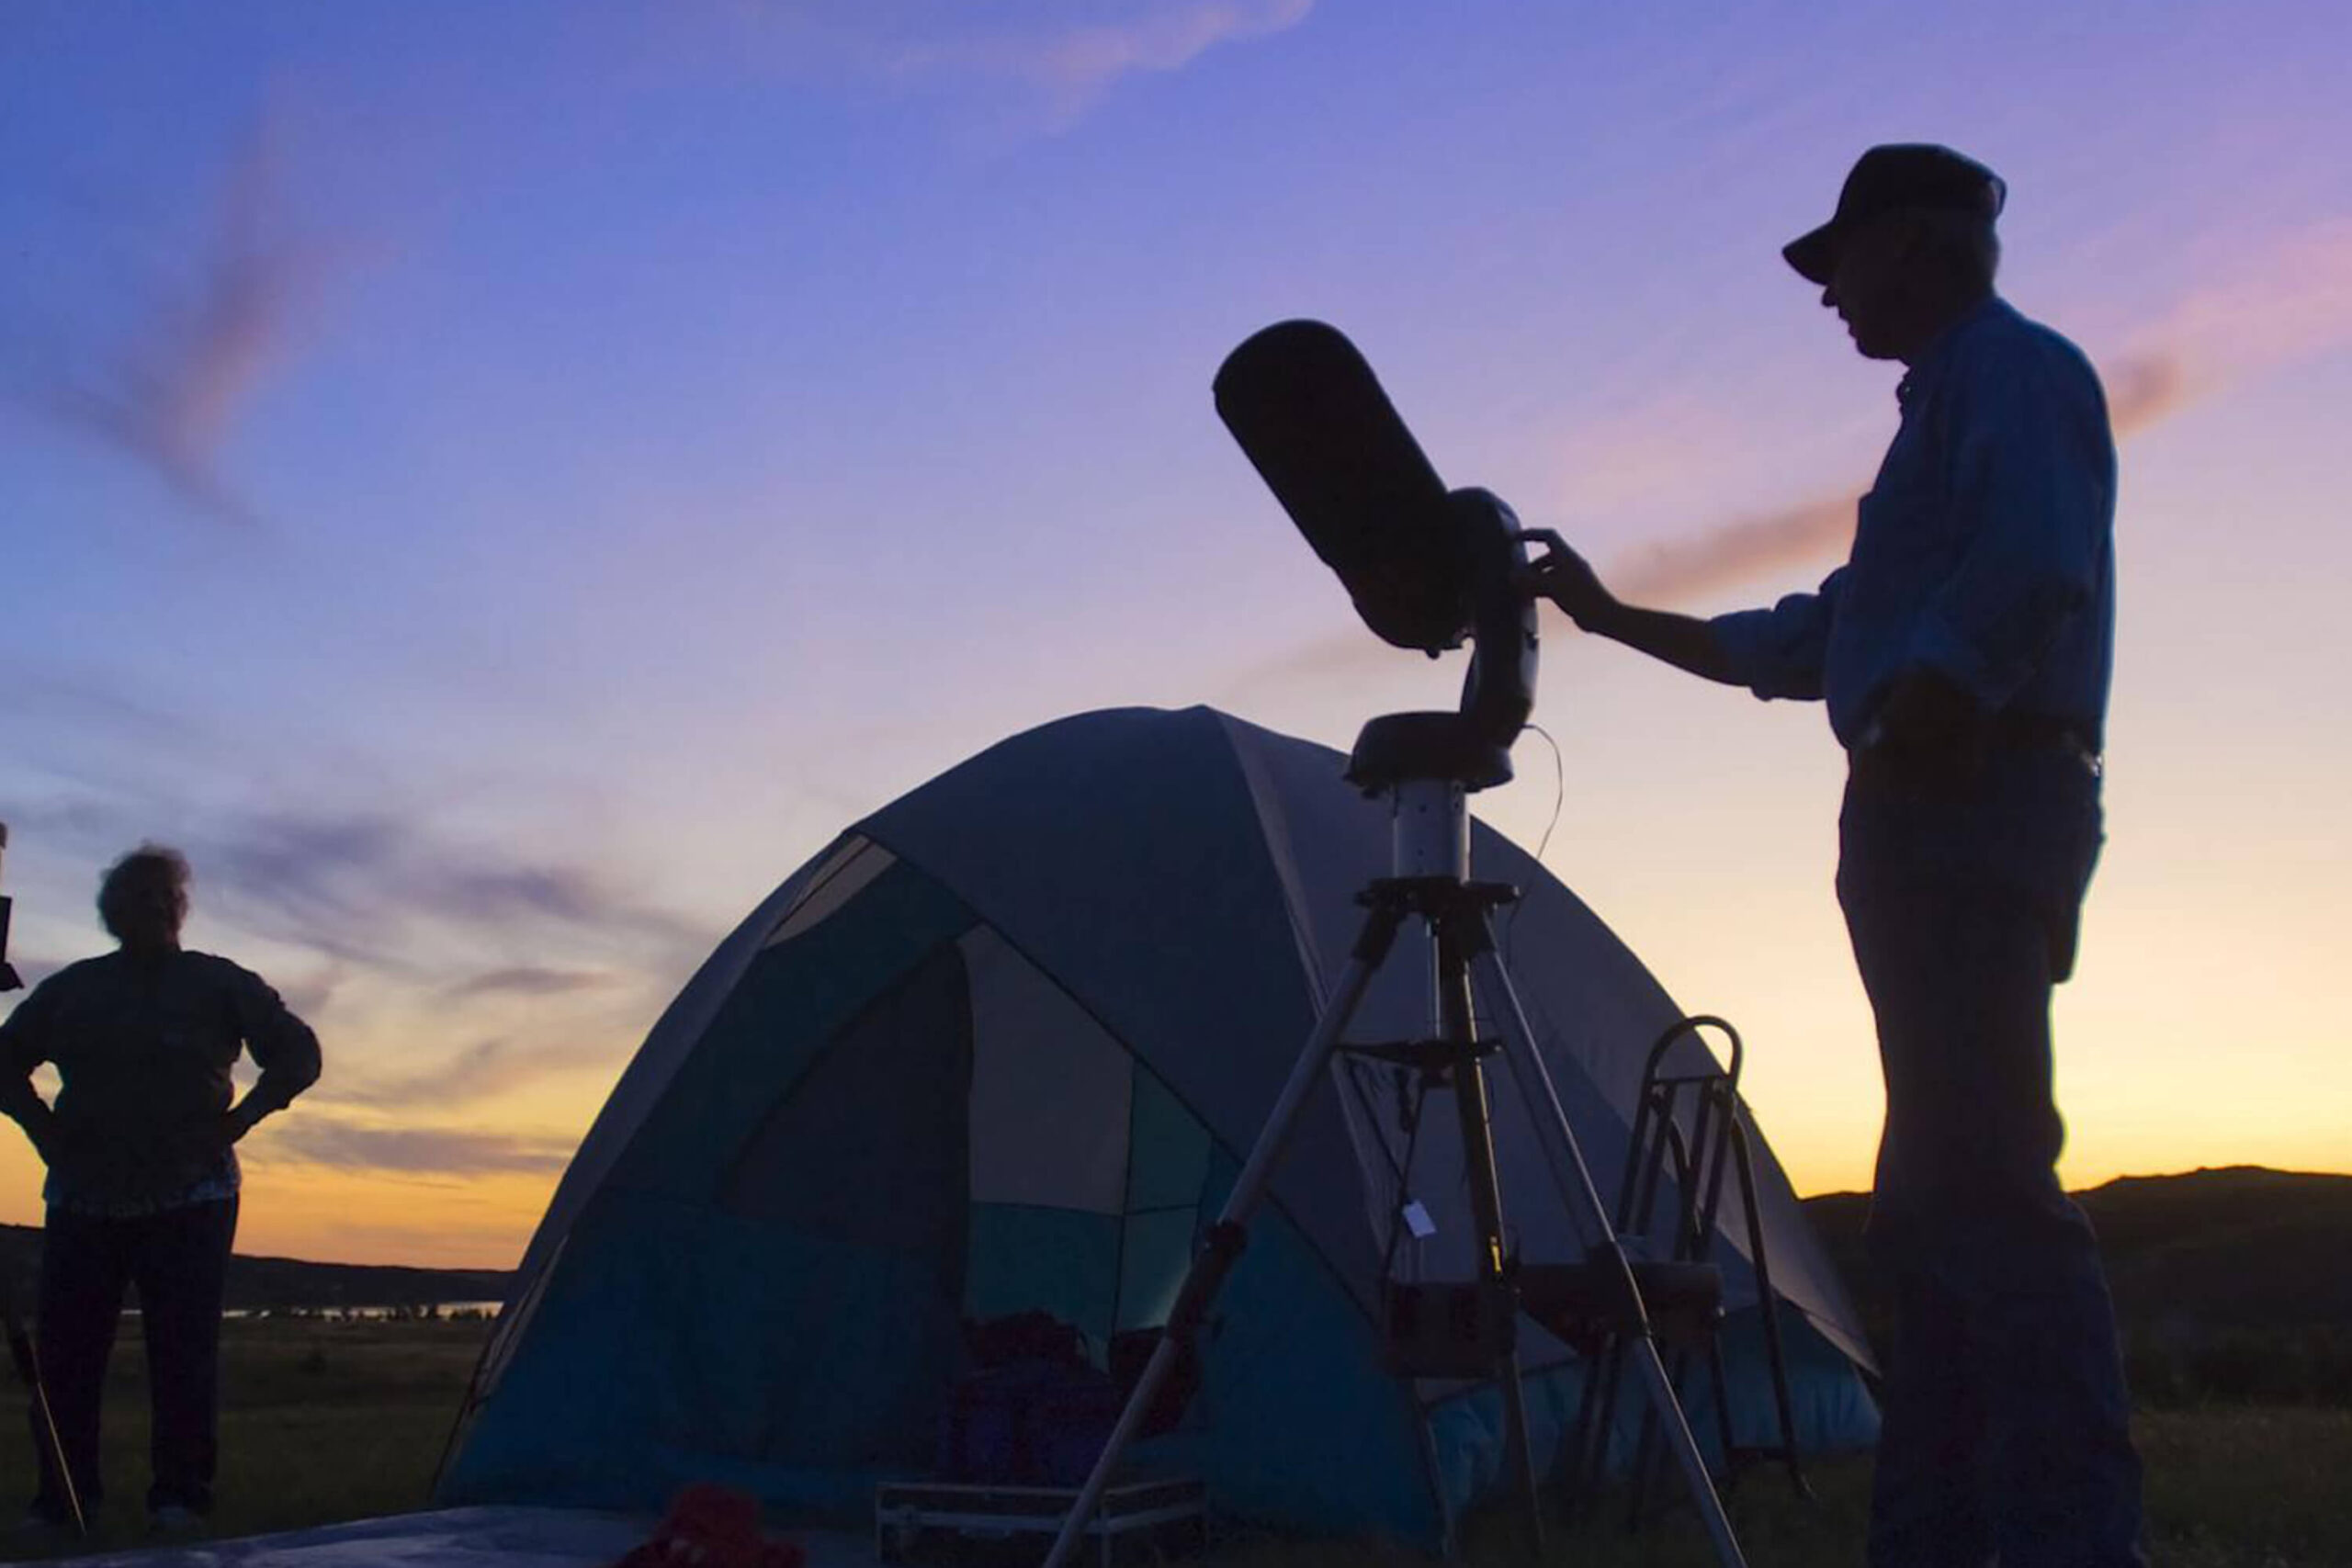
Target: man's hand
pixel 1929 734
pixel 40 1131
pixel 207 1137
pixel 234 1124
pixel 1564 578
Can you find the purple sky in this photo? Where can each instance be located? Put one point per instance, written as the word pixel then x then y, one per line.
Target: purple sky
pixel 500 485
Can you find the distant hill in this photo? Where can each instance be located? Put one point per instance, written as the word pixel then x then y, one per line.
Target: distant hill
pixel 2226 1281
pixel 2237 1250
pixel 280 1283
pixel 2236 1247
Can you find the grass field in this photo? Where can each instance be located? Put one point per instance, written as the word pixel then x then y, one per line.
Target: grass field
pixel 327 1421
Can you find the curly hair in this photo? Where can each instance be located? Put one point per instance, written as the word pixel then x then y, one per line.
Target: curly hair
pixel 148 862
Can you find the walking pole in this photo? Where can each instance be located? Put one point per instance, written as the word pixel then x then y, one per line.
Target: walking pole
pixel 28 1360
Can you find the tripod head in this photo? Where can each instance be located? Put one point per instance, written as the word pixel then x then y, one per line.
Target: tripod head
pixel 1426 567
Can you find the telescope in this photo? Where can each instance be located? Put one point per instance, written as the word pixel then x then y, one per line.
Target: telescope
pixel 1428 568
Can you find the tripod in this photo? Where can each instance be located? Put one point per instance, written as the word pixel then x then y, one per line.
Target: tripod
pixel 1426 765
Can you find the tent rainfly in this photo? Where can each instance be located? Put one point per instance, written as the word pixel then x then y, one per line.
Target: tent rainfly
pixel 1002 1046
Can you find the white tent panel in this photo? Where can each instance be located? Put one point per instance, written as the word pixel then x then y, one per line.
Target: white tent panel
pixel 845 874
pixel 1050 1090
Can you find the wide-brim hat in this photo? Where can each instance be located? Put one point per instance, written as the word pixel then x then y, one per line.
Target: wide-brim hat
pixel 1899 175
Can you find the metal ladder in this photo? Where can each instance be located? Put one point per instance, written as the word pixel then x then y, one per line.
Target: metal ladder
pixel 1690 1312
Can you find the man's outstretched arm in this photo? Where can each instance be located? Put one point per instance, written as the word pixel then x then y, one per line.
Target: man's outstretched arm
pixel 1774 653
pixel 1684 641
pixel 284 1047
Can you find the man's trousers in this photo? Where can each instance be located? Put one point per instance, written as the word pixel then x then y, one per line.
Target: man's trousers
pixel 2006 1431
pixel 179 1261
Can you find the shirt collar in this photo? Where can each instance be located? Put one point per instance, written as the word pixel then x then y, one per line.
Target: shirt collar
pixel 1931 361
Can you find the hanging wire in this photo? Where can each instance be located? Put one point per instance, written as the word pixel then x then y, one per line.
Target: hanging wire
pixel 1559 799
pixel 1412 1098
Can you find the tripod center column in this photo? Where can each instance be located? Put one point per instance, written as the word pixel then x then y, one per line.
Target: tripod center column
pixel 1431 829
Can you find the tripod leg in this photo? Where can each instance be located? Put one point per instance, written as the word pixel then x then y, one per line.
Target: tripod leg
pixel 1569 1174
pixel 1460 1031
pixel 1226 1238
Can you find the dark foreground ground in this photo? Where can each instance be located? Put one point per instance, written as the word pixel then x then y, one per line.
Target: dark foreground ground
pixel 328 1421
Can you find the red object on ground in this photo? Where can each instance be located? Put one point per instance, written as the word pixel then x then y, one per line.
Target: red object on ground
pixel 712 1527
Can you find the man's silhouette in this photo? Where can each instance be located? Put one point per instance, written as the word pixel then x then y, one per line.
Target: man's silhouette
pixel 1964 653
pixel 142 1172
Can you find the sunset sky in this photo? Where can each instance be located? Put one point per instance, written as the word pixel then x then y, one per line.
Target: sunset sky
pixel 501 484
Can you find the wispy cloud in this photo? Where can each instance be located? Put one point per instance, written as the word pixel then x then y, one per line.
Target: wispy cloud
pixel 2141 390
pixel 477 1073
pixel 1733 552
pixel 528 980
pixel 169 398
pixel 308 995
pixel 316 1135
pixel 1076 63
pixel 2291 301
pixel 1057 58
pixel 355 885
pixel 381 922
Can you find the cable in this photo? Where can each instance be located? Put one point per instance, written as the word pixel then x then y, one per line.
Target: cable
pixel 1409 1111
pixel 1559 799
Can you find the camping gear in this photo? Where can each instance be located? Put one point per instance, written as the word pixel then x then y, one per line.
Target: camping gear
pixel 1030 1422
pixel 910 1516
pixel 712 1527
pixel 1000 1047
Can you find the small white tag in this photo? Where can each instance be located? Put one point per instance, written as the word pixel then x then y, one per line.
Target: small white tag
pixel 1417 1219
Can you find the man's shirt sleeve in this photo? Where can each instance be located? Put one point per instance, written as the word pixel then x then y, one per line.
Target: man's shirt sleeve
pixel 284 1047
pixel 2033 486
pixel 24 1045
pixel 1781 652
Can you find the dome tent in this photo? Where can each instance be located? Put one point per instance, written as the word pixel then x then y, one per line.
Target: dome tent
pixel 1004 1045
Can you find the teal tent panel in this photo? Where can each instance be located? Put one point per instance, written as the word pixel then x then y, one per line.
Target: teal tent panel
pixel 1831 1409
pixel 790 1001
pixel 1049 1088
pixel 1468 1442
pixel 1168 1149
pixel 678 1344
pixel 1064 1261
pixel 1159 1248
pixel 1828 1394
pixel 869 1146
pixel 1296 1422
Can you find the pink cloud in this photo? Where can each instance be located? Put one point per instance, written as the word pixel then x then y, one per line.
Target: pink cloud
pixel 171 399
pixel 1076 64
pixel 2291 300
